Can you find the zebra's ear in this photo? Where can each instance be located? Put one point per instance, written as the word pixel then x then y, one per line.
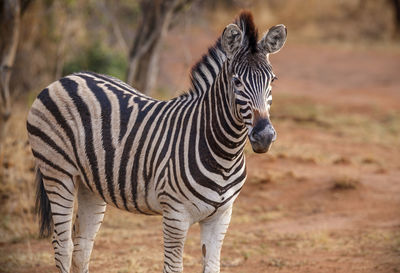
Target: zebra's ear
pixel 273 40
pixel 231 40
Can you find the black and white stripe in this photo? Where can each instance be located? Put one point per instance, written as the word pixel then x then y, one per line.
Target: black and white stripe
pixel 96 137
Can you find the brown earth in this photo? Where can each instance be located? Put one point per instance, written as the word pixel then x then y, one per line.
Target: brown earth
pixel 325 199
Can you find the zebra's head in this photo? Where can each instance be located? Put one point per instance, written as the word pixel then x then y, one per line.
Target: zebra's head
pixel 250 76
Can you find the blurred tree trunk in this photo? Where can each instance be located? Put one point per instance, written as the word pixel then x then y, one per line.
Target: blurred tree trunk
pixel 396 4
pixel 10 11
pixel 144 54
pixel 10 17
pixel 115 26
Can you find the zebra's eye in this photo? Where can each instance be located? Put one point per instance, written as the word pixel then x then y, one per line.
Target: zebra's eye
pixel 274 78
pixel 237 82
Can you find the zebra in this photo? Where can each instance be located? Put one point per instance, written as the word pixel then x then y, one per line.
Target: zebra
pixel 98 141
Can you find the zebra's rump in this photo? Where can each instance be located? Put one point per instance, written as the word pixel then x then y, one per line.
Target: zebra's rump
pixel 88 125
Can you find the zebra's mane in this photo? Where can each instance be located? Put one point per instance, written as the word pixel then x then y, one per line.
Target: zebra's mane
pixel 216 54
pixel 250 33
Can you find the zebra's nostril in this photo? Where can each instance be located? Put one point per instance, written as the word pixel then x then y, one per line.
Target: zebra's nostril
pixel 255 136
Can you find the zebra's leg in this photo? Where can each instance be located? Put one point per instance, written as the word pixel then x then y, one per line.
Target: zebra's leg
pixel 175 228
pixel 212 236
pixel 88 220
pixel 61 195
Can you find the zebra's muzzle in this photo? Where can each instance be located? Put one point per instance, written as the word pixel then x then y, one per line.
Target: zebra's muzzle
pixel 262 135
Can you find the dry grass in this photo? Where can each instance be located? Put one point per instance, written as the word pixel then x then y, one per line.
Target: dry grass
pixel 341 160
pixel 370 160
pixel 273 176
pixel 17 181
pixel 345 183
pixel 375 127
pixel 24 259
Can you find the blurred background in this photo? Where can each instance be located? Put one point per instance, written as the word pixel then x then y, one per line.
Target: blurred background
pixel 327 196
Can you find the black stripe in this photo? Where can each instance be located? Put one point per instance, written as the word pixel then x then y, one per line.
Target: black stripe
pixel 158 125
pixel 125 109
pixel 140 146
pixel 33 130
pixel 119 84
pixel 50 163
pixel 127 152
pixel 181 147
pixel 169 196
pixel 60 223
pixel 58 204
pixel 72 89
pixel 108 146
pixel 168 205
pixel 46 100
pixel 56 193
pixel 59 182
pixel 206 156
pixel 49 123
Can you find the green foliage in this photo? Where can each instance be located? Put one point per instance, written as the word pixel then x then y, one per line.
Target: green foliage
pixel 98 58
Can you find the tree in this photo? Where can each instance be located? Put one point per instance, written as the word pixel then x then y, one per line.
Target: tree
pixel 396 5
pixel 10 18
pixel 9 31
pixel 153 25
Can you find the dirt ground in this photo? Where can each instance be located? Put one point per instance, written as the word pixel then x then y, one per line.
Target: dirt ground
pixel 325 199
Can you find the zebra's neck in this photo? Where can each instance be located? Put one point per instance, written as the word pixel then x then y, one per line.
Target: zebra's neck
pixel 220 135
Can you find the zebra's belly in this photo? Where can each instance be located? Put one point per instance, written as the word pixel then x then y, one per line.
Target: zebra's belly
pixel 134 195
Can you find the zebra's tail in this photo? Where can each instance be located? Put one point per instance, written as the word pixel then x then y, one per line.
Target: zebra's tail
pixel 42 207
